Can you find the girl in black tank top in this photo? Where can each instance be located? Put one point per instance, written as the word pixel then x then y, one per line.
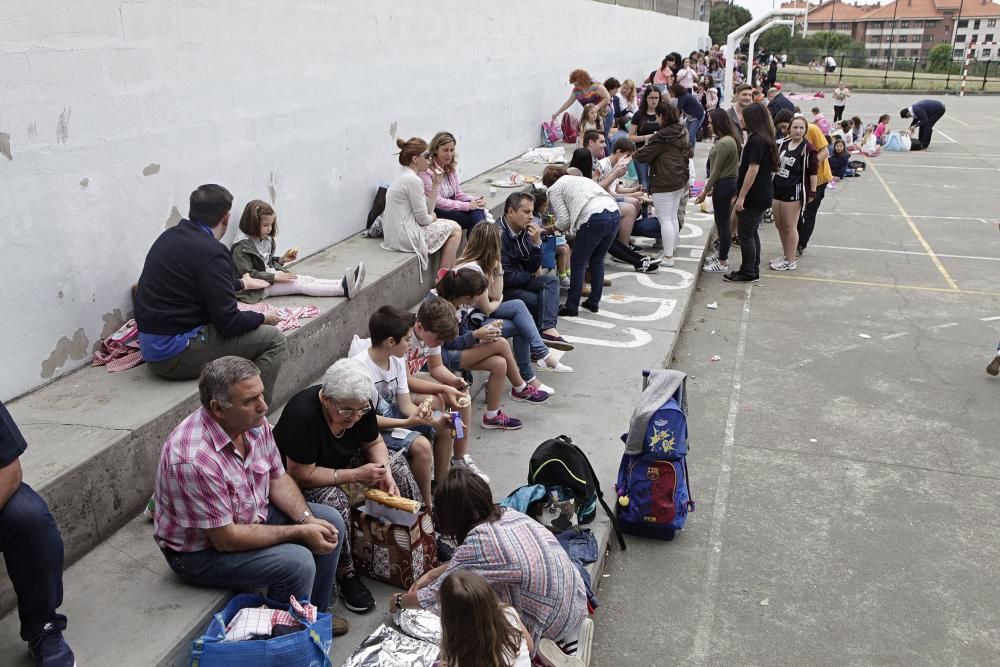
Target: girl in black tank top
pixel 792 188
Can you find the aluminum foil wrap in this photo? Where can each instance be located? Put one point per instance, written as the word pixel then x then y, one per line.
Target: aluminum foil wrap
pixel 420 624
pixel 387 647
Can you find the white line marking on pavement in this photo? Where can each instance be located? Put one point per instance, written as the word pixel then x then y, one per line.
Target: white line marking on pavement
pixel 905 165
pixel 687 279
pixel 915 217
pixel 664 310
pixel 947 137
pixel 589 323
pixel 892 252
pixel 693 258
pixel 942 326
pixel 896 335
pixel 703 640
pixel 989 319
pixel 640 338
pixel 691 232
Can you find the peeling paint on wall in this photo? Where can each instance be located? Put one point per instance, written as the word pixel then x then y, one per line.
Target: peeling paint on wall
pixel 175 217
pixel 150 169
pixel 62 127
pixel 85 182
pixel 33 130
pixel 5 145
pixel 113 321
pixel 66 349
pixel 272 188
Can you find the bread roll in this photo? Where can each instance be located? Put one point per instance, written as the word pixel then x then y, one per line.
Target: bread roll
pixel 396 502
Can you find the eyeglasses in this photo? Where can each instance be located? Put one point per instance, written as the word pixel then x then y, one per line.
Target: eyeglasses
pixel 352 412
pixel 427 155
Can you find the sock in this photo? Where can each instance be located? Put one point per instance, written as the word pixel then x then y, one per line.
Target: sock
pixel 521 388
pixel 343 285
pixel 491 414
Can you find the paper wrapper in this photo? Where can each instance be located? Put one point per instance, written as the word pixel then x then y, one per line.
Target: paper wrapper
pixel 420 624
pixel 387 647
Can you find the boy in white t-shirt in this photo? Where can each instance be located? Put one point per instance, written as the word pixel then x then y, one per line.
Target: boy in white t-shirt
pixel 386 357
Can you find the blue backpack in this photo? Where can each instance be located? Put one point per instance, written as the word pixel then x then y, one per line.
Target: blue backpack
pixel 653 491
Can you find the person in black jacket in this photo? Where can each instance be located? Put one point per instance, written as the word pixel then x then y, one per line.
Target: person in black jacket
pixel 185 302
pixel 925 115
pixel 778 102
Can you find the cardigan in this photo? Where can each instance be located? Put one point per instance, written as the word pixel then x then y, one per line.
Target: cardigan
pixel 573 196
pixel 405 213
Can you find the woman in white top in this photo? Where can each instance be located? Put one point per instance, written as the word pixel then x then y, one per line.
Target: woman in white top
pixel 409 222
pixel 586 211
pixel 476 630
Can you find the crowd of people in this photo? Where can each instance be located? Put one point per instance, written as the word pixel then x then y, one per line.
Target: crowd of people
pixel 241 504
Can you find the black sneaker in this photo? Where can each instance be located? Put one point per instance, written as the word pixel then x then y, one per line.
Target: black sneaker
pixel 801 250
pixel 738 277
pixel 591 307
pixel 52 651
pixel 355 594
pixel 647 265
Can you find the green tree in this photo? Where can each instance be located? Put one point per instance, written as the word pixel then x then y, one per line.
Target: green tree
pixel 723 20
pixel 939 59
pixel 775 40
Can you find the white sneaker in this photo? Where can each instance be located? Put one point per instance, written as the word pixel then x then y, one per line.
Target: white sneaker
pixel 564 282
pixel 780 259
pixel 546 388
pixel 784 265
pixel 666 262
pixel 552 655
pixel 470 465
pixel 714 257
pixel 715 267
pixel 558 368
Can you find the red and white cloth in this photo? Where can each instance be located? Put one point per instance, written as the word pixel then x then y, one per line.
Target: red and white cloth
pixel 253 622
pixel 290 315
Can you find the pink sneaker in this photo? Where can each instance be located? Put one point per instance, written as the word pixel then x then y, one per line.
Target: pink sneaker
pixel 502 422
pixel 529 394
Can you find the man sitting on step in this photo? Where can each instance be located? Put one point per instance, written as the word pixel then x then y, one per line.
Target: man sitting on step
pixel 227 515
pixel 185 303
pixel 33 550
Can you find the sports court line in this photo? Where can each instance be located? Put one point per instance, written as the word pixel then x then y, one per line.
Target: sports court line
pixel 703 640
pixel 892 252
pixel 989 319
pixel 935 166
pixel 956 119
pixel 862 283
pixel 947 137
pixel 915 217
pixel 916 232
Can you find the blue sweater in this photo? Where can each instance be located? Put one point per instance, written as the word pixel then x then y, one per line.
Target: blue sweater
pixel 187 282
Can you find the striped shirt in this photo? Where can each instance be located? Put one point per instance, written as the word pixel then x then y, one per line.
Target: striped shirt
pixel 529 571
pixel 202 482
pixel 573 199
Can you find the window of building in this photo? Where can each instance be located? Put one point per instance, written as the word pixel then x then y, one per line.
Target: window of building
pixel 959 38
pixel 957 53
pixel 902 38
pixel 990 23
pixel 985 53
pixel 989 37
pixel 963 24
pixel 928 38
pixel 976 26
pixel 914 53
pixel 904 24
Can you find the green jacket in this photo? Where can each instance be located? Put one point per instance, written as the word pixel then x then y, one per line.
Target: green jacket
pixel 246 259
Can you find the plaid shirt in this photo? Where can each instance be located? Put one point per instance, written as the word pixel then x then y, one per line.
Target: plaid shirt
pixel 202 482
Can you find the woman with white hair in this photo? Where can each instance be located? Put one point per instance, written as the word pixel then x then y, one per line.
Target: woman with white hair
pixel 328 436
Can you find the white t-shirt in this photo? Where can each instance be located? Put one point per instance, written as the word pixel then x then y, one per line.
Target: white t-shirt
pixel 388 383
pixel 523 659
pixel 417 354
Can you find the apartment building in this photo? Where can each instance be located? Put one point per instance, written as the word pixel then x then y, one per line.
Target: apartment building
pixel 977 26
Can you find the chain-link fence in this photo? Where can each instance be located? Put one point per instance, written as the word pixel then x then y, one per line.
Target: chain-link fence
pixel 690 9
pixel 861 70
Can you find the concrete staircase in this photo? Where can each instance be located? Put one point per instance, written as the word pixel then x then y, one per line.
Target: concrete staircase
pixel 94 442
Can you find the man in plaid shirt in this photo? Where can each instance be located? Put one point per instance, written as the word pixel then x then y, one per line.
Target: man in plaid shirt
pixel 227 514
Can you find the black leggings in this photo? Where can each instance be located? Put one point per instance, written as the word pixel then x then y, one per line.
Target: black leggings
pixel 838 112
pixel 722 205
pixel 619 250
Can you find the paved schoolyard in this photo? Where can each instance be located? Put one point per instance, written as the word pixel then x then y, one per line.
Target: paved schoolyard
pixel 845 455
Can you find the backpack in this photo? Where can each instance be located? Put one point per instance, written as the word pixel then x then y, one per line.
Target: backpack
pixel 654 496
pixel 565 470
pixel 569 127
pixel 551 133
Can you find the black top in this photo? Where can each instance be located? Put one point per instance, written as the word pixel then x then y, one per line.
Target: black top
pixel 757 151
pixel 187 282
pixel 780 102
pixel 792 164
pixel 645 123
pixel 303 435
pixel 12 443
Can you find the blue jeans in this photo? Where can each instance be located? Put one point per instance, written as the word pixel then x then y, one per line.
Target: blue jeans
pixel 33 550
pixel 541 296
pixel 285 569
pixel 693 125
pixel 648 227
pixel 465 219
pixel 593 239
pixel 642 171
pixel 519 324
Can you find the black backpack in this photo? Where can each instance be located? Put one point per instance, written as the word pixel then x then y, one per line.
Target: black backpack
pixel 560 463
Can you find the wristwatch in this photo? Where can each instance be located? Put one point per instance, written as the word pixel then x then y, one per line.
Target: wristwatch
pixel 302 518
pixel 397 600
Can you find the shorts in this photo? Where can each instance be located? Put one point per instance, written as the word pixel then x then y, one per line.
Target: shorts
pixel 452 359
pixel 400 439
pixel 788 194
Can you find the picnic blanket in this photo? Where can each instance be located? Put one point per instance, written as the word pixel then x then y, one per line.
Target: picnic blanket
pixel 818 95
pixel 120 351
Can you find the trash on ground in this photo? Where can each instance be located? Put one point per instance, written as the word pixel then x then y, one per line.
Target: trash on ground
pixel 712 306
pixel 765 602
pixel 716 357
pixel 813 440
pixel 864 335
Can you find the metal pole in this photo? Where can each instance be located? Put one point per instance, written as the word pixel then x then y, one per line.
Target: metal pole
pixel 986 73
pixel 965 69
pixel 736 35
pixel 892 43
pixel 913 74
pixel 954 38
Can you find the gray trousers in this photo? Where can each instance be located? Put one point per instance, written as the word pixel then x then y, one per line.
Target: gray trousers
pixel 265 346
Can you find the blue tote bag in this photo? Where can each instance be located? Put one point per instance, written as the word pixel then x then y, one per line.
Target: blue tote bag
pixel 308 648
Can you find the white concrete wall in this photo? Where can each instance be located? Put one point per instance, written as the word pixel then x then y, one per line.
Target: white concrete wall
pixel 116 109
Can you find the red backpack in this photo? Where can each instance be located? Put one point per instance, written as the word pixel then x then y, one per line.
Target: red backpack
pixel 569 127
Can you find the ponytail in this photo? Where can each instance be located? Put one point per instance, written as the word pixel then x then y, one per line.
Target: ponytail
pixel 461 284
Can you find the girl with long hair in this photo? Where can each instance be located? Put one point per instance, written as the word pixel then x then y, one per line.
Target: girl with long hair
pixel 589 120
pixel 643 126
pixel 724 157
pixel 754 191
pixel 452 203
pixel 256 253
pixel 476 630
pixel 482 253
pixel 794 184
pixel 628 98
pixel 409 221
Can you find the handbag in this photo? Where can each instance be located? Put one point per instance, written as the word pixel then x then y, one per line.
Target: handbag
pixel 309 646
pixel 392 545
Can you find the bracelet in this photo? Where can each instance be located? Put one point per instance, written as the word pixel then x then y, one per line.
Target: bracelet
pixel 398 600
pixel 335 482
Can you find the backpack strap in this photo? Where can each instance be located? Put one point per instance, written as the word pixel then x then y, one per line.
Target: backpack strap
pixel 687 481
pixel 600 494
